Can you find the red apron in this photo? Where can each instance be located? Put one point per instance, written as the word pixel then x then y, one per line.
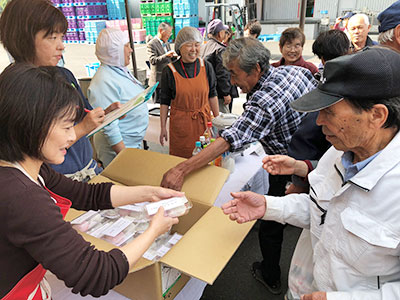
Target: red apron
pixel 29 286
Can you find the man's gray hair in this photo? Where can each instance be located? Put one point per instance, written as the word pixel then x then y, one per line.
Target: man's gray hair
pixel 364 16
pixel 392 104
pixel 248 52
pixel 386 36
pixel 164 26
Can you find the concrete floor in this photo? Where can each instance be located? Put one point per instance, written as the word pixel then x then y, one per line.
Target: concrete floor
pixel 236 281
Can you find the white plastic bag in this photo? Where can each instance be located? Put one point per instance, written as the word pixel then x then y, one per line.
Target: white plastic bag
pixel 301 268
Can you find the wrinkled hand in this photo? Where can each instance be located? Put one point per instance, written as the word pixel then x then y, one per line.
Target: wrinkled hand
pixel 245 207
pixel 227 99
pixel 161 224
pixel 279 164
pixel 163 136
pixel 314 296
pixel 173 179
pixel 93 119
pixel 160 193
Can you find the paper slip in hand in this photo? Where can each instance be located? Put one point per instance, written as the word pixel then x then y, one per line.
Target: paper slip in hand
pixel 125 108
pixel 168 204
pixel 131 207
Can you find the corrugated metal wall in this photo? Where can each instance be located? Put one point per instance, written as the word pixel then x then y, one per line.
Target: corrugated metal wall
pixel 280 9
pixel 288 9
pixel 329 5
pixel 373 5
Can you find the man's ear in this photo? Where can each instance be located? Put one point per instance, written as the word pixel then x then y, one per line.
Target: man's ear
pixel 256 70
pixel 379 115
pixel 396 34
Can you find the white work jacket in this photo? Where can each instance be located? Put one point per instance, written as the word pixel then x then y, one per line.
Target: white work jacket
pixel 355 244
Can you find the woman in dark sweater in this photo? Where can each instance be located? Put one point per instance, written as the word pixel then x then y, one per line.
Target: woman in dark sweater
pixel 39 108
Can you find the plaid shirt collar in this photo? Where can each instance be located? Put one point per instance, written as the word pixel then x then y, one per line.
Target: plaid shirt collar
pixel 262 79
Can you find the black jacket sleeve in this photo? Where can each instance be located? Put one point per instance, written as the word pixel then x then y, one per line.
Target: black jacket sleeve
pixel 167 86
pixel 223 76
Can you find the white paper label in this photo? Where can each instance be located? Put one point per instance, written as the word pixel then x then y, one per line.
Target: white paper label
pixel 162 251
pixel 117 227
pixel 168 204
pixel 132 207
pixel 150 255
pixel 99 231
pixel 84 217
pixel 127 237
pixel 175 238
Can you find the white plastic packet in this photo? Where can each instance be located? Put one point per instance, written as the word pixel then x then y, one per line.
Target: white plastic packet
pixel 173 207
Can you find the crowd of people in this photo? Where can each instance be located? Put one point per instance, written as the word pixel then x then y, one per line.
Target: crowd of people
pixel 330 133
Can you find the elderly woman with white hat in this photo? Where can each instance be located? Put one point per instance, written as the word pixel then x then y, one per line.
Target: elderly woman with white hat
pixel 188 86
pixel 114 82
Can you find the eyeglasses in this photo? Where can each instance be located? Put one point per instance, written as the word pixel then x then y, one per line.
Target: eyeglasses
pixel 291 46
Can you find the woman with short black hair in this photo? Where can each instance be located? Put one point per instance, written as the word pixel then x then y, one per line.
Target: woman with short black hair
pixel 39 108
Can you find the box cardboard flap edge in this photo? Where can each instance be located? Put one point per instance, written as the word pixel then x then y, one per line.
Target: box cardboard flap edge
pixel 212 242
pixel 141 167
pixel 212 239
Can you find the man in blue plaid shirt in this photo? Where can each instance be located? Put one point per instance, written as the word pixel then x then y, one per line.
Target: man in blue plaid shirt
pixel 267 118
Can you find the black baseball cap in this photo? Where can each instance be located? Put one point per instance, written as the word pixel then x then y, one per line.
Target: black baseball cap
pixel 369 74
pixel 390 17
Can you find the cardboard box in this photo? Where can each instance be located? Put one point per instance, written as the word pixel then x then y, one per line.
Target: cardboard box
pixel 209 237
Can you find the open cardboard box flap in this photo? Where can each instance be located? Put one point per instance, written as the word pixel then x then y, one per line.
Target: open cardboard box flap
pixel 139 167
pixel 207 247
pixel 209 237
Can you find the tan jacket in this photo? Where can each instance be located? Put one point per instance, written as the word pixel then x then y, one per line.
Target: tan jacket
pixel 157 58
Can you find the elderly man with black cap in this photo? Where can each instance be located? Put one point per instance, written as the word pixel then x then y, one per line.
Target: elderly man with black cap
pixel 212 52
pixel 352 248
pixel 389 28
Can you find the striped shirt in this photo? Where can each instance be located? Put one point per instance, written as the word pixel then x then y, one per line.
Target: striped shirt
pixel 267 116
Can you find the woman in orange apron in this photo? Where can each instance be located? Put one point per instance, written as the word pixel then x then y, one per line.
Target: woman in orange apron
pixel 39 109
pixel 188 86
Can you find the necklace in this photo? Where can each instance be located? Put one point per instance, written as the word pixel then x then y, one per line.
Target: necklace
pixel 195 69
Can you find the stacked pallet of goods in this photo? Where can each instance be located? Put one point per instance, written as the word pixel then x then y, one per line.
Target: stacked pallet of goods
pixel 186 13
pixel 155 12
pixel 138 34
pixel 86 18
pixel 117 18
pixel 116 9
pixel 77 13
